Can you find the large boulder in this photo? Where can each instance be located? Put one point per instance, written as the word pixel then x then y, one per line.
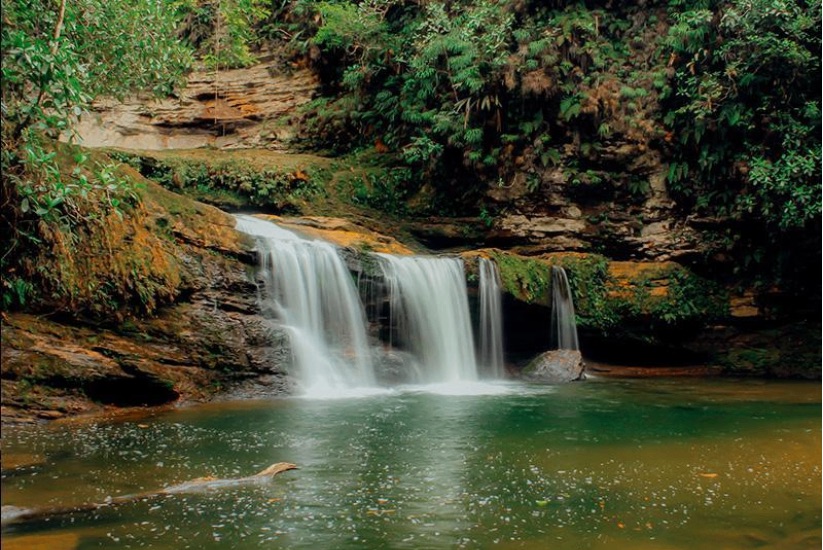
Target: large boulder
pixel 555 367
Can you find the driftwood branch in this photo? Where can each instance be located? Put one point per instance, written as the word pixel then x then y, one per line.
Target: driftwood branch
pixel 15 514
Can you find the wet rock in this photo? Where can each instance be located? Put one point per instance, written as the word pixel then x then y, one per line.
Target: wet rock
pixel 343 233
pixel 555 367
pixel 394 367
pixel 443 233
pixel 196 344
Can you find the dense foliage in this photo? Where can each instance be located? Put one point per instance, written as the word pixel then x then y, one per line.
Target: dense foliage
pixel 463 96
pixel 469 93
pixel 58 57
pixel 729 89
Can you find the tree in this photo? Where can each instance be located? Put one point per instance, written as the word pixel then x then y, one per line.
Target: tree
pixel 57 57
pixel 746 109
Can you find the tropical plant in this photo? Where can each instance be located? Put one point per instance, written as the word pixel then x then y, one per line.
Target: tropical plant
pixel 57 57
pixel 745 108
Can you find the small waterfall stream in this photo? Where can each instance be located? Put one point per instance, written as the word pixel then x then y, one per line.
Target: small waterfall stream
pixel 428 297
pixel 563 324
pixel 310 290
pixel 491 319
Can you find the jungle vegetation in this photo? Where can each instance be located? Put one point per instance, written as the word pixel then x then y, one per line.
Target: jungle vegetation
pixel 461 95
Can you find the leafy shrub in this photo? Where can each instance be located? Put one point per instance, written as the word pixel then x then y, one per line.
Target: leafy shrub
pixel 230 183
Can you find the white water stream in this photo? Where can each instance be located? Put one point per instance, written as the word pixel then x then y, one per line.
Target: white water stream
pixel 310 291
pixel 563 324
pixel 491 319
pixel 428 297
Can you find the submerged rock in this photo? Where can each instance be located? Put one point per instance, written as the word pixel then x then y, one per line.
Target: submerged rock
pixel 555 367
pixel 395 367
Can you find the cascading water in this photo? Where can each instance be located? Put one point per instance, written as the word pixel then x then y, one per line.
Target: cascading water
pixel 428 298
pixel 563 326
pixel 491 319
pixel 310 291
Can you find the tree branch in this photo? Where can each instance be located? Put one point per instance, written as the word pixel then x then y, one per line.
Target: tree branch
pixel 58 27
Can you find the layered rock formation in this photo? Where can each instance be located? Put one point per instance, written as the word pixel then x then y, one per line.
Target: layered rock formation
pixel 222 109
pixel 640 301
pixel 209 339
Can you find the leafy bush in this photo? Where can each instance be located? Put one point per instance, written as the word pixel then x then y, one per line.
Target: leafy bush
pixel 230 183
pixel 56 58
pixel 745 107
pixel 223 32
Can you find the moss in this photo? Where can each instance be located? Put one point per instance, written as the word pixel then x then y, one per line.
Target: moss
pixel 590 281
pixel 652 300
pixel 786 351
pixel 107 259
pixel 750 361
pixel 106 262
pixel 660 296
pixel 231 181
pixel 527 279
pixel 689 298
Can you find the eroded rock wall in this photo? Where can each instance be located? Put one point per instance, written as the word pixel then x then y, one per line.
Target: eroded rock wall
pixel 209 339
pixel 223 109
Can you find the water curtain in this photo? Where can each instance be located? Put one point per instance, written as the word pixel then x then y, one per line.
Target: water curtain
pixel 563 326
pixel 491 319
pixel 310 291
pixel 428 297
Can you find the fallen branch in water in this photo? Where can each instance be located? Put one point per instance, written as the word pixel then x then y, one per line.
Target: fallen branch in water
pixel 15 514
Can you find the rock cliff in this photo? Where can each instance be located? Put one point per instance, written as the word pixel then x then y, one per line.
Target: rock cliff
pixel 209 338
pixel 222 109
pixel 641 301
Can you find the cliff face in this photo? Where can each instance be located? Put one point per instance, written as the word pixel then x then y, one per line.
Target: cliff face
pixel 223 109
pixel 207 339
pixel 628 249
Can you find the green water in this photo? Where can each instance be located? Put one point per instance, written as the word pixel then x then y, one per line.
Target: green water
pixel 601 464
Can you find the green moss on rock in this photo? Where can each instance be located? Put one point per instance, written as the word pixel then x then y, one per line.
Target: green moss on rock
pixel 612 298
pixel 609 295
pixel 233 181
pixel 527 279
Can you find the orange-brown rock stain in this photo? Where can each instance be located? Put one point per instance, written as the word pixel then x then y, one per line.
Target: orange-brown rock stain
pixel 342 233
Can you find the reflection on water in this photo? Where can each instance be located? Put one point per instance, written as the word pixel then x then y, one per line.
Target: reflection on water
pixel 603 464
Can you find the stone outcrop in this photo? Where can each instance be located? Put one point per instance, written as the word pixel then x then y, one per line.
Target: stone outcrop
pixel 555 367
pixel 225 109
pixel 343 233
pixel 627 211
pixel 209 339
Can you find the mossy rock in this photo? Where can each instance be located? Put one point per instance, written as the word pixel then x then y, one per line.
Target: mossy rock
pixel 527 279
pixel 555 367
pixel 107 260
pixel 786 351
pixel 237 179
pixel 650 300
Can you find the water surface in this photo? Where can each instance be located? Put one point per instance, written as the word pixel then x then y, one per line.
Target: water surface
pixel 601 464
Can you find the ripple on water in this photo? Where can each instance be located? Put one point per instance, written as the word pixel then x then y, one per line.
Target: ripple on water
pixel 589 465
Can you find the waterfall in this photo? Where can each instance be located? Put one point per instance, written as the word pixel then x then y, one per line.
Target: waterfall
pixel 429 302
pixel 491 319
pixel 563 327
pixel 311 292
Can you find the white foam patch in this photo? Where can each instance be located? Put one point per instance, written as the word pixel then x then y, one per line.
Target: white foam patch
pixel 327 393
pixel 262 228
pixel 477 388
